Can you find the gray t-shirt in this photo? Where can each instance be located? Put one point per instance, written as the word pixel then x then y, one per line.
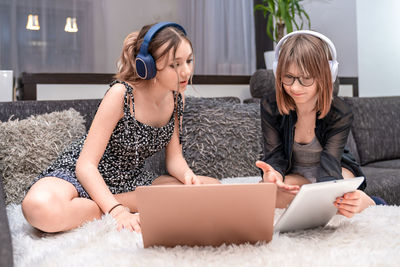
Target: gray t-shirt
pixel 306 158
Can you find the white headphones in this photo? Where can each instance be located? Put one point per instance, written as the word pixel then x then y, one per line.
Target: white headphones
pixel 333 64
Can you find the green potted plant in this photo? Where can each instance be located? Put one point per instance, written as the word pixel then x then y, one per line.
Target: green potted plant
pixel 282 14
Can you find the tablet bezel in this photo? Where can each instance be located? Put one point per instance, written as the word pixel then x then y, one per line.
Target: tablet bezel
pixel 313 205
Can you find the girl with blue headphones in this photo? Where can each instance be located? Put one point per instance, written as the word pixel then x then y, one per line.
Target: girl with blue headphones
pixel 305 127
pixel 139 115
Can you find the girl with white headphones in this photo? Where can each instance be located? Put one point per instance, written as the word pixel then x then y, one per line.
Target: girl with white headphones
pixel 305 128
pixel 139 115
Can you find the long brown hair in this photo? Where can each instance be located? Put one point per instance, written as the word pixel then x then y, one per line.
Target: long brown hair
pixel 170 36
pixel 310 54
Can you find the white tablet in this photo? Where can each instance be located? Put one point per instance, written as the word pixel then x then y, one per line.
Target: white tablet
pixel 313 204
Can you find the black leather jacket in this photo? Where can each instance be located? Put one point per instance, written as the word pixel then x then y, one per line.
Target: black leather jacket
pixel 331 131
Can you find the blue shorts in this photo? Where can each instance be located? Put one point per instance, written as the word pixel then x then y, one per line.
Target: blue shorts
pixel 69 177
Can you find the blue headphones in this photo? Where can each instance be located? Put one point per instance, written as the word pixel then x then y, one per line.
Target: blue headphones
pixel 145 63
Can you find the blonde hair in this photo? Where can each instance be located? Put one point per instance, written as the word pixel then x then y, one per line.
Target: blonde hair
pixel 311 55
pixel 170 36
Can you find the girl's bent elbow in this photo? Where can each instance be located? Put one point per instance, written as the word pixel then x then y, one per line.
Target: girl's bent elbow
pixel 84 166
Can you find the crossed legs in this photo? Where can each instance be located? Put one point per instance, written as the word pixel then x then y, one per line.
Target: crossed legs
pixel 52 204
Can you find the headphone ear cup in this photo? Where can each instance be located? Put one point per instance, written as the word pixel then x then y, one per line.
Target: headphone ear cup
pixel 141 68
pixel 151 67
pixel 274 67
pixel 145 66
pixel 334 69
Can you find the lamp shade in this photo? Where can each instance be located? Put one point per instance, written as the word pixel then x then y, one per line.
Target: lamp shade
pixel 33 22
pixel 71 25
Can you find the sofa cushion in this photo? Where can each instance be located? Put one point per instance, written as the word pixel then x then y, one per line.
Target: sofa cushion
pixel 24 109
pixel 28 146
pixel 156 163
pixel 386 164
pixel 222 140
pixel 384 183
pixel 6 250
pixel 261 81
pixel 376 128
pixel 252 100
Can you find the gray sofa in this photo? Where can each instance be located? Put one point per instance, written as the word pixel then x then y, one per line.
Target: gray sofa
pixel 222 138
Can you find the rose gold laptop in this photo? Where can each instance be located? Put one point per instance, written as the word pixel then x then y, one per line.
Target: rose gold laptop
pixel 204 215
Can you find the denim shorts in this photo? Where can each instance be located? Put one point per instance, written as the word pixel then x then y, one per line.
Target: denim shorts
pixel 69 177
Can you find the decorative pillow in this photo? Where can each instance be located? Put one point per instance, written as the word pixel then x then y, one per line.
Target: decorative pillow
pixel 261 82
pixel 222 140
pixel 375 127
pixel 156 163
pixel 28 146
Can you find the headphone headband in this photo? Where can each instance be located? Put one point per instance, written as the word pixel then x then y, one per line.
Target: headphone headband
pixel 333 64
pixel 145 63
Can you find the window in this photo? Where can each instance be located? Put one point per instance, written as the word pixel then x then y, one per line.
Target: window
pixel 50 49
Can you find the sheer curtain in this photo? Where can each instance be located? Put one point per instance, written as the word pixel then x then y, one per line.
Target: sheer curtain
pixel 50 49
pixel 222 33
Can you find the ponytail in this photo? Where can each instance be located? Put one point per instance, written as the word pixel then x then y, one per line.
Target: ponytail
pixel 126 63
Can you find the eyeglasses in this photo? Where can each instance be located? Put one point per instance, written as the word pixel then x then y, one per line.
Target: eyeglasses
pixel 304 81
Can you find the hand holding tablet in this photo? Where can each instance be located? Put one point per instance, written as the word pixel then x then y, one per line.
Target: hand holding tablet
pixel 352 203
pixel 314 205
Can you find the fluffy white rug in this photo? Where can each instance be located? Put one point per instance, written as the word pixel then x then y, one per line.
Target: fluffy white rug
pixel 371 238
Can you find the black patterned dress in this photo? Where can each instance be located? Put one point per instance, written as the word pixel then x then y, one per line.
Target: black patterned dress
pixel 122 164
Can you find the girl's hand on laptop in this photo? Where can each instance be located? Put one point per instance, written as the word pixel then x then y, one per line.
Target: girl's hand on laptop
pixel 273 176
pixel 190 178
pixel 126 220
pixel 352 203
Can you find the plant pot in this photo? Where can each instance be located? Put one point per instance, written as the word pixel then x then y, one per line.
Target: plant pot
pixel 6 85
pixel 269 57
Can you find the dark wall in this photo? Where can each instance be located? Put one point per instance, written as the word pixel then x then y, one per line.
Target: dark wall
pixel 263 42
